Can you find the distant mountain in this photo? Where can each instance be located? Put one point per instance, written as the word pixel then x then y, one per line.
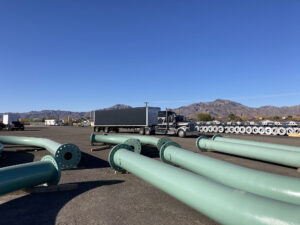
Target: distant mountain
pixel 218 108
pixel 60 114
pixel 222 108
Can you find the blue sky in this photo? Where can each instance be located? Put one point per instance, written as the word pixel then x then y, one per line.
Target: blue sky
pixel 84 55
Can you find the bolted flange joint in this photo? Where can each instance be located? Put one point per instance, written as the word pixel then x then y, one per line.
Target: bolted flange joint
pixel 92 139
pixel 68 156
pixel 135 144
pixel 53 161
pixel 164 147
pixel 198 143
pixel 113 152
pixel 215 136
pixel 162 141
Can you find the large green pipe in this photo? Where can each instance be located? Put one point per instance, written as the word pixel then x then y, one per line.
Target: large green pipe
pixel 117 139
pixel 157 142
pixel 13 178
pixel 217 201
pixel 288 158
pixel 219 137
pixel 67 155
pixel 257 182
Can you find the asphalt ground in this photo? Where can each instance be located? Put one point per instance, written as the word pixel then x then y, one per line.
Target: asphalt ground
pixel 104 197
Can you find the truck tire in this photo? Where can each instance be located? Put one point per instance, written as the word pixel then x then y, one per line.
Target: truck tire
pixel 181 133
pixel 148 131
pixel 142 131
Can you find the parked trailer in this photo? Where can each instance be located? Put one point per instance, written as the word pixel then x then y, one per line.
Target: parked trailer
pixel 149 120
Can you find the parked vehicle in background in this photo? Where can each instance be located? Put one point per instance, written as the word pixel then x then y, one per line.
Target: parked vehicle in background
pixel 10 122
pixel 149 120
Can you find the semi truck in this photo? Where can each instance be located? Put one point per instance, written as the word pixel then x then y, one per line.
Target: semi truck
pixel 11 122
pixel 148 120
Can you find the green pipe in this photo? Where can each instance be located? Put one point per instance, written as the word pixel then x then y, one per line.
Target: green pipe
pixel 217 201
pixel 67 155
pixel 117 139
pixel 219 137
pixel 288 158
pixel 157 142
pixel 269 185
pixel 17 177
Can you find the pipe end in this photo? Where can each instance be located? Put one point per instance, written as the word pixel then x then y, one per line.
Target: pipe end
pixel 162 141
pixel 68 156
pixel 135 144
pixel 49 158
pixel 215 136
pixel 198 143
pixel 164 147
pixel 113 152
pixel 92 138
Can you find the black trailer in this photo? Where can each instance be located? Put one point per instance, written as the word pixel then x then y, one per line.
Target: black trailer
pixel 113 120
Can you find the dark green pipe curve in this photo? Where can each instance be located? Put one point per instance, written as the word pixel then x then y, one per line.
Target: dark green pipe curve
pixel 67 155
pixel 217 201
pixel 46 171
pixel 265 184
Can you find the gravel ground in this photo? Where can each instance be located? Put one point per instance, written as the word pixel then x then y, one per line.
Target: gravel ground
pixel 104 197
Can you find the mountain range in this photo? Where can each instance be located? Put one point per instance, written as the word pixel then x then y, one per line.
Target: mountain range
pixel 219 108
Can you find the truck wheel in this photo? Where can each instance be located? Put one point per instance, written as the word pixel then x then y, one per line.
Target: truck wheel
pixel 181 133
pixel 142 131
pixel 148 131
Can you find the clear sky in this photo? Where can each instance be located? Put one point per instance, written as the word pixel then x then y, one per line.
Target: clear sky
pixel 84 55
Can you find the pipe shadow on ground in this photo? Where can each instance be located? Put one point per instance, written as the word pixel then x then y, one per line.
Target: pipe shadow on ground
pixel 10 158
pixel 43 208
pixel 91 162
pixel 150 151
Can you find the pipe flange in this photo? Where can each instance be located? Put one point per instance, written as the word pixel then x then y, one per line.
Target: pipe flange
pixel 135 144
pixel 198 143
pixel 163 148
pixel 92 139
pixel 112 153
pixel 162 141
pixel 68 156
pixel 215 136
pixel 53 161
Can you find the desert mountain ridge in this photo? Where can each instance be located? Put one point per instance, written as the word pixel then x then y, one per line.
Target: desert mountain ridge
pixel 219 108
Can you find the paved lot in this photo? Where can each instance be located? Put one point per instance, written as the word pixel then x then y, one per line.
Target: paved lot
pixel 104 197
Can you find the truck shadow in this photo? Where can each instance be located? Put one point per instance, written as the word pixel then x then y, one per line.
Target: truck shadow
pixel 43 208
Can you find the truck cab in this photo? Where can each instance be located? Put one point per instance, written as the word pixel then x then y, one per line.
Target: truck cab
pixel 169 122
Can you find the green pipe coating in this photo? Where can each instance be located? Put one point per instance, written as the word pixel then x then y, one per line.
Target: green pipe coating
pixel 117 139
pixel 219 137
pixel 217 201
pixel 46 171
pixel 157 142
pixel 270 185
pixel 288 158
pixel 67 155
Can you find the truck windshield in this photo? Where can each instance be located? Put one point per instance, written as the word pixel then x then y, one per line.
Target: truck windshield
pixel 179 118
